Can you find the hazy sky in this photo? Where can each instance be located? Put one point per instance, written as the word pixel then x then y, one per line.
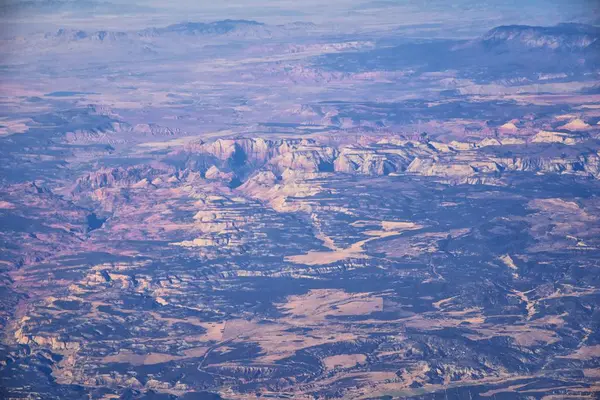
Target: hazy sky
pixel 464 15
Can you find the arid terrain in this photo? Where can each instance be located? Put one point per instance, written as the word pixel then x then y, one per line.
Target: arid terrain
pixel 239 209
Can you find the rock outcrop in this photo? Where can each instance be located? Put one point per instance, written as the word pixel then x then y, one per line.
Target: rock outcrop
pixel 393 156
pixel 121 176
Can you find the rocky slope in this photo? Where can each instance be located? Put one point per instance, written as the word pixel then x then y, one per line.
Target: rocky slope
pixel 547 153
pixel 562 37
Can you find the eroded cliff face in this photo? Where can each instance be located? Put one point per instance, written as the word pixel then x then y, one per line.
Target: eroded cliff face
pixel 122 176
pixel 377 160
pixel 296 154
pixel 258 162
pixel 396 156
pixel 282 171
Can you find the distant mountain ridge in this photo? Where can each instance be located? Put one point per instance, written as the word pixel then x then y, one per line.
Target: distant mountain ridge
pixel 505 52
pixel 566 36
pixel 203 28
pixel 223 27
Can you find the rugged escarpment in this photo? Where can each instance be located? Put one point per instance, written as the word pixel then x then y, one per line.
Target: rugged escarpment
pixel 122 176
pixel 279 170
pixel 545 154
pixel 562 37
pixel 298 154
